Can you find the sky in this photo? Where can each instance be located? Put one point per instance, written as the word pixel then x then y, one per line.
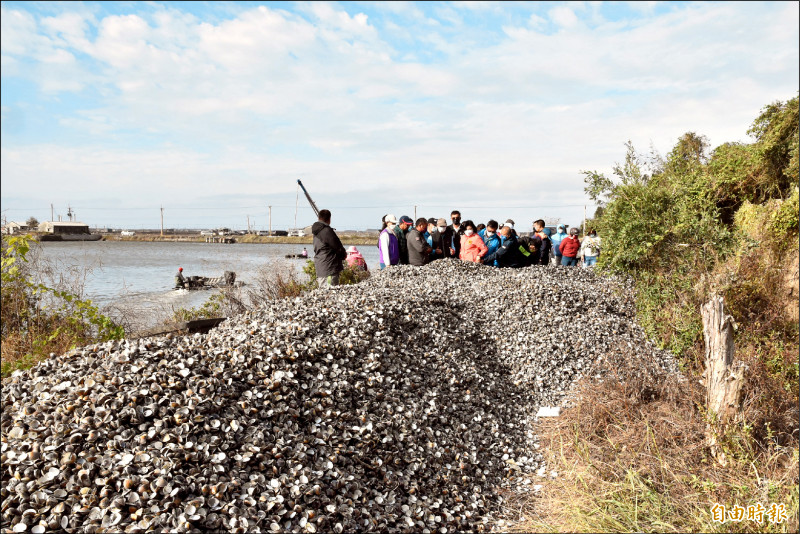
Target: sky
pixel 213 110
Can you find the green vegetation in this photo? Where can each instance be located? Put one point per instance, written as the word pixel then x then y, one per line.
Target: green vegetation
pixel 39 320
pixel 632 453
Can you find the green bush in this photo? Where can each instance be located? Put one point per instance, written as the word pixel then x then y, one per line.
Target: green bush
pixel 38 319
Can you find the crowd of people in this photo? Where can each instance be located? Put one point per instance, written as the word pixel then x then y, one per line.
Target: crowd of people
pixel 407 242
pixel 419 242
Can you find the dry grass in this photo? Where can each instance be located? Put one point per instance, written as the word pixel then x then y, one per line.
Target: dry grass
pixel 631 457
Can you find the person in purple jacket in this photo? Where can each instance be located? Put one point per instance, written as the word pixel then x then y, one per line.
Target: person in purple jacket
pixel 388 246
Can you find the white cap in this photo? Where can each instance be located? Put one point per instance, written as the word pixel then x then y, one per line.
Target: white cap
pixel 390 219
pixel 352 249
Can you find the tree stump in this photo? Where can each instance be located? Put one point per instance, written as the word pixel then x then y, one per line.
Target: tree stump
pixel 723 377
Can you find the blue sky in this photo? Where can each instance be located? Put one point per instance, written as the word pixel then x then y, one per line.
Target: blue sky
pixel 213 110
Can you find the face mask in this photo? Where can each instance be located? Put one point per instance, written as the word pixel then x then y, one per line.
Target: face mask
pixel 468 232
pixel 489 234
pixel 391 226
pixel 456 220
pixel 442 229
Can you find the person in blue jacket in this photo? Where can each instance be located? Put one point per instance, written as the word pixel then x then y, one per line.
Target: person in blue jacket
pixel 492 240
pixel 556 239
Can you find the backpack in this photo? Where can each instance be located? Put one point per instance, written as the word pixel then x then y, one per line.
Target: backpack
pixel 592 246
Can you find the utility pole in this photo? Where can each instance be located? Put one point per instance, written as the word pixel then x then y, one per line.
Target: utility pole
pixel 415 214
pixel 584 219
pixel 162 219
pixel 52 217
pixel 270 220
pixel 296 200
pixel 248 224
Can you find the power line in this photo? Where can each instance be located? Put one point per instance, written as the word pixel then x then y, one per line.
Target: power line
pixel 217 208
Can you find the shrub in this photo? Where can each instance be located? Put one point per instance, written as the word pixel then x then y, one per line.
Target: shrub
pixel 38 319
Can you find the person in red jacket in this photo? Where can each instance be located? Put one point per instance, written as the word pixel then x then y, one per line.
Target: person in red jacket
pixel 569 248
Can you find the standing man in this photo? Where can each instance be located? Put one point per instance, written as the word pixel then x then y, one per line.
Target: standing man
pixel 401 233
pixel 329 253
pixel 419 252
pixel 492 241
pixel 541 241
pixel 452 236
pixel 440 249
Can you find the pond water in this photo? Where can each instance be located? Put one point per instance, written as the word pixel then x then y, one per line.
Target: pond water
pixel 139 276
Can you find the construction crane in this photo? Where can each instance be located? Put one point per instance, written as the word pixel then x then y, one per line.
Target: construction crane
pixel 313 206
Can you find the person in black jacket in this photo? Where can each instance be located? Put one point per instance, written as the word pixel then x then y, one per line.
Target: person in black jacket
pixel 329 253
pixel 541 244
pixel 451 239
pixel 510 253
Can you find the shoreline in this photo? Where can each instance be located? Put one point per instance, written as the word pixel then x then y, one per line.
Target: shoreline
pixel 347 239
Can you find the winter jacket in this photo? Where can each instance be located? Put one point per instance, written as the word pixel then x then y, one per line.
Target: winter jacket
pixel 543 245
pixel 418 249
pixel 508 255
pixel 436 241
pixel 472 246
pixel 570 246
pixel 590 247
pixel 556 239
pixel 402 243
pixel 328 250
pixel 492 244
pixel 452 238
pixel 388 248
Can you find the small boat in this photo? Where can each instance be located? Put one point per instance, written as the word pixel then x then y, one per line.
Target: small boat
pixel 297 256
pixel 202 282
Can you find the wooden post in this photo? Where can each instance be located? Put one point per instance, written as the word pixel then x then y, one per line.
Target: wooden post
pixel 723 377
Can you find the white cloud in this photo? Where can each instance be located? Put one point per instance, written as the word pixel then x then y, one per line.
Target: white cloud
pixel 329 94
pixel 563 16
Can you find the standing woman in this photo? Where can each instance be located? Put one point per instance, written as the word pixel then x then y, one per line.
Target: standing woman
pixel 472 246
pixel 590 248
pixel 388 247
pixel 570 246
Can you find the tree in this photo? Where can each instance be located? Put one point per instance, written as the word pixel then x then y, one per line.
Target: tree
pixel 32 222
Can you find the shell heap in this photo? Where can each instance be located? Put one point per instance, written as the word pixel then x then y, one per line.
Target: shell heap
pixel 403 403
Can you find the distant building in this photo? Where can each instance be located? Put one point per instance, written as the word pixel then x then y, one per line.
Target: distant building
pixel 15 228
pixel 61 227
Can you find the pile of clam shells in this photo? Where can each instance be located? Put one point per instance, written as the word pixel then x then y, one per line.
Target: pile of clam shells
pixel 404 403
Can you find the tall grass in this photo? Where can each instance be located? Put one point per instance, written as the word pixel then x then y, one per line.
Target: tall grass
pixel 631 457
